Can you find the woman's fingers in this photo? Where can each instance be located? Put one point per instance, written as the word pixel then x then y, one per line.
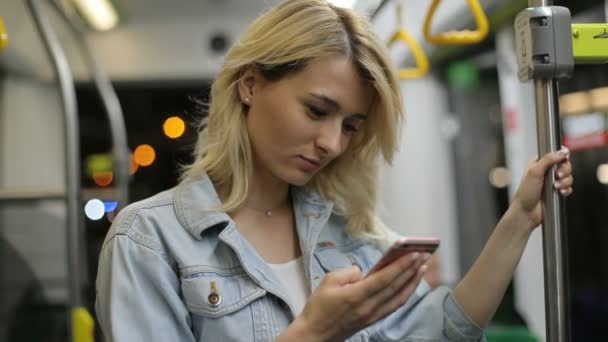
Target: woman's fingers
pixel 346 301
pixel 345 276
pixel 564 170
pixel 540 168
pixel 381 286
pixel 396 301
pixel 563 183
pixel 401 281
pixel 564 179
pixel 396 291
pixel 379 281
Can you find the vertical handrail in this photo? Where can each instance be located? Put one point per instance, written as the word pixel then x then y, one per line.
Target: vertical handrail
pixel 72 149
pixel 554 252
pixel 109 98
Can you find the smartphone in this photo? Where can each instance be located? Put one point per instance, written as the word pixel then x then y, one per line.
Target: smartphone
pixel 404 246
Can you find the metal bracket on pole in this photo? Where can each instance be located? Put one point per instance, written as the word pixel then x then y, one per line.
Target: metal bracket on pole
pixel 544 43
pixel 544 53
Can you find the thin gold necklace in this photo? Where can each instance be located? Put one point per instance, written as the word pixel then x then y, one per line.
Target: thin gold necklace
pixel 268 211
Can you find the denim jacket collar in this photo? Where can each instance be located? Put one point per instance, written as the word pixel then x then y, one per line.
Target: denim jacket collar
pixel 198 206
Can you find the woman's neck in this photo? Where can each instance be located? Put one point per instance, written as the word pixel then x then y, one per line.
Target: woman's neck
pixel 267 192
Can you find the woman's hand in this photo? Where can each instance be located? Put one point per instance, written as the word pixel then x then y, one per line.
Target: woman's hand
pixel 345 302
pixel 527 200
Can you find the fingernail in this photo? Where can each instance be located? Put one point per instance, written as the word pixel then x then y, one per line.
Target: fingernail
pixel 563 191
pixel 423 268
pixel 560 174
pixel 556 184
pixel 415 255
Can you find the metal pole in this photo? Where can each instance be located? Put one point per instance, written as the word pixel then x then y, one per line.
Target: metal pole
pixel 554 251
pixel 109 98
pixel 72 153
pixel 379 8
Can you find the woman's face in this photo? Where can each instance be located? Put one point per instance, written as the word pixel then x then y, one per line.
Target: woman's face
pixel 299 124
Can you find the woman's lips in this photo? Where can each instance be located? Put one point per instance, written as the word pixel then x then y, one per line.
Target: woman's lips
pixel 309 164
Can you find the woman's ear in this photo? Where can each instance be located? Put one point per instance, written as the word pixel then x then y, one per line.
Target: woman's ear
pixel 247 83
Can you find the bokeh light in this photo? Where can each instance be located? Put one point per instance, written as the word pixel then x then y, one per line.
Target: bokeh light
pixel 174 127
pixel 500 177
pixel 602 173
pixel 110 206
pixel 101 162
pixel 94 209
pixel 144 155
pixel 103 178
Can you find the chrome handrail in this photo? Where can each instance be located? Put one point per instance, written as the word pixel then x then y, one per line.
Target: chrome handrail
pixel 107 93
pixel 554 229
pixel 72 149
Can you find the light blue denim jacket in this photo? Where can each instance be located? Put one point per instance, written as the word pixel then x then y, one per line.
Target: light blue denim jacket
pixel 164 256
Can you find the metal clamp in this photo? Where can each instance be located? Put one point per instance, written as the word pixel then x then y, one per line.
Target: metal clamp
pixel 543 38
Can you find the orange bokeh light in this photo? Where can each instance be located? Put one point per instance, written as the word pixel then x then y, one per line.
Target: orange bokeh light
pixel 103 178
pixel 144 155
pixel 174 127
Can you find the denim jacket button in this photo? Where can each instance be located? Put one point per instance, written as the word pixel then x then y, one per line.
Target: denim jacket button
pixel 214 299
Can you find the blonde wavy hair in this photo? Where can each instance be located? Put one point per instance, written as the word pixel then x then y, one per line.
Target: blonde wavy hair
pixel 280 42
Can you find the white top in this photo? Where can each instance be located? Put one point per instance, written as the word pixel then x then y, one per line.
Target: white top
pixel 293 277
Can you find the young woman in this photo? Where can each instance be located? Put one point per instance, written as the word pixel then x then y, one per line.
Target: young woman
pixel 271 232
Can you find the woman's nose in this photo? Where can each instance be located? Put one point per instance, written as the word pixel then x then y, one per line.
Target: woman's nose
pixel 329 139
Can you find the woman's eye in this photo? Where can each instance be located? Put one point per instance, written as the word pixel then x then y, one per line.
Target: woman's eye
pixel 316 111
pixel 350 129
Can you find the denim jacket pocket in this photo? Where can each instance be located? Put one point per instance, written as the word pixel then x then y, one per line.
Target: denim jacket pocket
pixel 357 254
pixel 332 259
pixel 213 292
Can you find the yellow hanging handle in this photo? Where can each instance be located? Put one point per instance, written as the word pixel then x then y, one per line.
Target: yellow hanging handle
pixel 82 325
pixel 3 35
pixel 458 37
pixel 422 62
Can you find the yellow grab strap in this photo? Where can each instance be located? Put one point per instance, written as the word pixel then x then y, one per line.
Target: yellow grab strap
pixel 458 37
pixel 422 62
pixel 82 325
pixel 401 35
pixel 3 35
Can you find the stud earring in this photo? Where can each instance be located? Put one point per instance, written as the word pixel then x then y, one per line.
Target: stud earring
pixel 248 99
